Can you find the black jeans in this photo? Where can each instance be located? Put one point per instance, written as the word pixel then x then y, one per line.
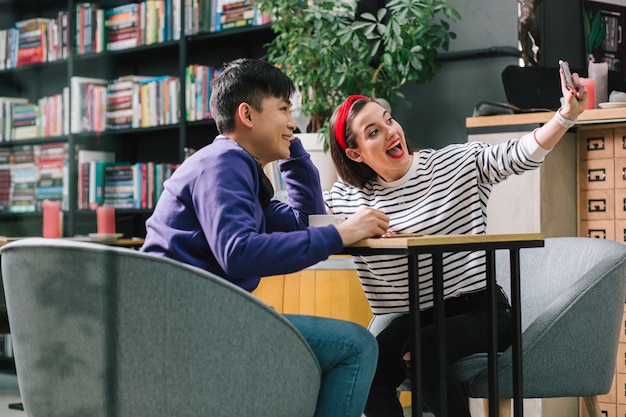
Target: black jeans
pixel 466 333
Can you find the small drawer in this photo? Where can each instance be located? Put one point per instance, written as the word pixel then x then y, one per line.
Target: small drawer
pixel 619 143
pixel 595 144
pixel 620 204
pixel 599 229
pixel 620 234
pixel 620 365
pixel 611 396
pixel 620 388
pixel 607 409
pixel 597 205
pixel 619 167
pixel 622 335
pixel 597 174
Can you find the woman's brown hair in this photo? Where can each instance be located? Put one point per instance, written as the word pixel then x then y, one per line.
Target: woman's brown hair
pixel 351 172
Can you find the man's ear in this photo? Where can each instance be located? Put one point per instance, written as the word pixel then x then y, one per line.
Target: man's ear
pixel 244 114
pixel 354 155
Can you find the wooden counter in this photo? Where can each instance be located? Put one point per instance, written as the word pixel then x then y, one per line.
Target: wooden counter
pixel 588 116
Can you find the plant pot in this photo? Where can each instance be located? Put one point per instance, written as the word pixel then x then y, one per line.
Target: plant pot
pixel 322 160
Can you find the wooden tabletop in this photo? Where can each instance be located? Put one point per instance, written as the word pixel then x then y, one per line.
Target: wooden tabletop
pixel 125 242
pixel 399 241
pixel 588 116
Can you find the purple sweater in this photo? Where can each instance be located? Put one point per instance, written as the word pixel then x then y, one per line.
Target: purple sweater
pixel 209 216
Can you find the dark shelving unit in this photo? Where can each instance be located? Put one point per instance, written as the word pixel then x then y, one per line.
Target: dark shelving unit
pixel 157 144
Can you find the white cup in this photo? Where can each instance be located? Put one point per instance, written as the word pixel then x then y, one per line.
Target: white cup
pixel 319 220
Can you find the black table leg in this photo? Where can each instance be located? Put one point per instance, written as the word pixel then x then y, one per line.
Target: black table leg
pixel 416 349
pixel 440 330
pixel 492 326
pixel 518 388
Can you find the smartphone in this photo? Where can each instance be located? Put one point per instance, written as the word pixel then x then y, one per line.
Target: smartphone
pixel 568 75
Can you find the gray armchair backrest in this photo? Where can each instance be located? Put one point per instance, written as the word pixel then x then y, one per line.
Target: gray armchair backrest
pixel 572 295
pixel 103 331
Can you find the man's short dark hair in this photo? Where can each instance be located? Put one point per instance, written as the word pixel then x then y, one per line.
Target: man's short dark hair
pixel 246 81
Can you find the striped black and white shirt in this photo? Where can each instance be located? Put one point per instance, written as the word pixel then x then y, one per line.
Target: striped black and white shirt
pixel 444 192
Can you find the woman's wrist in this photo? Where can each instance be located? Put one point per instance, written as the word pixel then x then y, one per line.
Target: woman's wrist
pixel 565 119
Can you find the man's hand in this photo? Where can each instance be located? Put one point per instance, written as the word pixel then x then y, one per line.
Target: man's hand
pixel 363 224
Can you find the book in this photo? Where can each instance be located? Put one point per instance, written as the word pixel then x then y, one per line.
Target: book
pixel 32 45
pixel 123 27
pixel 23 180
pixel 88 104
pixel 25 121
pixel 6 116
pixel 119 186
pixel 86 184
pixel 122 103
pixel 157 101
pixel 52 163
pixel 89 28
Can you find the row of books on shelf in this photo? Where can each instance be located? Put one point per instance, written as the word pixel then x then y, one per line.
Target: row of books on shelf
pixel 34 41
pixel 41 39
pixel 30 174
pixel 130 101
pixel 198 83
pixel 219 15
pixel 126 26
pixel 156 21
pixel 21 119
pixel 125 185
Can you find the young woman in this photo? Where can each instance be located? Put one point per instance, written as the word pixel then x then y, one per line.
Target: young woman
pixel 428 192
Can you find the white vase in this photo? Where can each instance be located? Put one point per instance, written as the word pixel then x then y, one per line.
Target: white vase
pixel 322 160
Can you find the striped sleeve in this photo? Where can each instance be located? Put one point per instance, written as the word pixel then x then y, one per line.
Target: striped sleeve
pixel 495 163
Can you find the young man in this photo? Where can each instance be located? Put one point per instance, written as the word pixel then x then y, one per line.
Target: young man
pixel 216 213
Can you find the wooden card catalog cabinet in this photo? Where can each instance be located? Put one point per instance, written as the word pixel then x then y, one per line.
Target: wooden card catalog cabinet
pixel 602 182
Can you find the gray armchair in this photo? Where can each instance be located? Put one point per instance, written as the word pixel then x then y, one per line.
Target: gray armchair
pixel 103 331
pixel 573 292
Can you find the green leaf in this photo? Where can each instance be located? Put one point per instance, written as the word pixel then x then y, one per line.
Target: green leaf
pixel 358 25
pixel 369 30
pixel 368 16
pixel 375 48
pixel 397 29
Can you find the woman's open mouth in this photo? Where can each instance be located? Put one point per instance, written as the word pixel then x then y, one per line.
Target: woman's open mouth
pixel 396 151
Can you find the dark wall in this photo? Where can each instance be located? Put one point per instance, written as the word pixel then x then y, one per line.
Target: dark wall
pixel 561 25
pixel 437 115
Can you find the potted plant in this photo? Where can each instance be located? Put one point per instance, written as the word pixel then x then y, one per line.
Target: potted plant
pixel 334 48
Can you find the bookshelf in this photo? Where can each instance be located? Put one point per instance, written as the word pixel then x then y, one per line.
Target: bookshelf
pixel 89 68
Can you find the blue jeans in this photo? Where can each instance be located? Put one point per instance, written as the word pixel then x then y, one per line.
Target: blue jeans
pixel 347 354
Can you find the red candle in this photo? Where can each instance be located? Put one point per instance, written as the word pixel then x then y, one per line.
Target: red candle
pixel 591 88
pixel 52 219
pixel 105 219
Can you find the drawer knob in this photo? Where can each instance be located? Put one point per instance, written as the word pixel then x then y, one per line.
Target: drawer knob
pixel 596 175
pixel 597 233
pixel 597 206
pixel 595 144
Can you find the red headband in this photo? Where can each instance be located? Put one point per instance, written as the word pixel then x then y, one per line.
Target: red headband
pixel 340 121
